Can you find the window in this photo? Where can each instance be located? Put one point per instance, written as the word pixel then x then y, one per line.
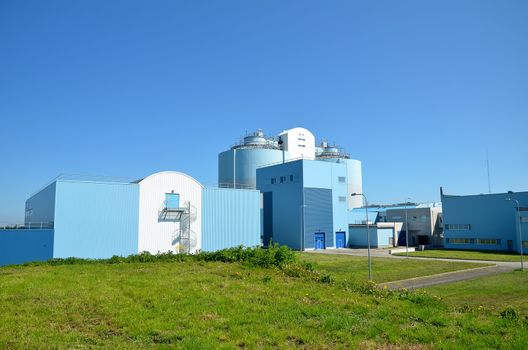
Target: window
pixel 341 179
pixel 525 244
pixel 301 139
pixel 423 218
pixel 342 198
pixel 282 179
pixel 524 218
pixel 458 227
pixel 486 241
pixel 458 241
pixel 301 145
pixel 273 180
pixel 172 200
pixel 291 178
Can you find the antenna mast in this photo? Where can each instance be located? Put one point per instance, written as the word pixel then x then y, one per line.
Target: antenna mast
pixel 487 164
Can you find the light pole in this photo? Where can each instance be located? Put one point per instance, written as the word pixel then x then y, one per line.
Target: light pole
pixel 406 229
pixel 519 227
pixel 368 234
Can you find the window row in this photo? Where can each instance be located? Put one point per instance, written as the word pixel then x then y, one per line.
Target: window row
pixel 458 227
pixel 483 241
pixel 282 179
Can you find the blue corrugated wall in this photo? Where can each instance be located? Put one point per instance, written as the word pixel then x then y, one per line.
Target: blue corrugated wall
pixel 20 246
pixel 318 216
pixel 96 219
pixel 489 216
pixel 230 218
pixel 283 220
pixel 379 237
pixel 40 208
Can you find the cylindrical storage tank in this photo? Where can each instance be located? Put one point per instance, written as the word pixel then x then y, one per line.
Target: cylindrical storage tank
pixel 237 167
pixel 354 180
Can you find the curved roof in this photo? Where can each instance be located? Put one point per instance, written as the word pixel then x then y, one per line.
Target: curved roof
pixel 299 129
pixel 169 172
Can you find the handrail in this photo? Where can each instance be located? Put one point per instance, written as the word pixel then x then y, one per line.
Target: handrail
pixel 37 225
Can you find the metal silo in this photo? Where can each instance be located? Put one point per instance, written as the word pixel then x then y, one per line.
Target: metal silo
pixel 237 167
pixel 334 154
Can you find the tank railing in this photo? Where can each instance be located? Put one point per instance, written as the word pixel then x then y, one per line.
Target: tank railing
pixel 37 225
pixel 338 154
pixel 236 185
pixel 285 161
pixel 256 146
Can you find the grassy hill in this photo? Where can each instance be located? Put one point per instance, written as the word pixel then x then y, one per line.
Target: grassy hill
pixel 198 304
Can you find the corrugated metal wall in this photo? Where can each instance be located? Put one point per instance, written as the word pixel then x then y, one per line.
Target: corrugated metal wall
pixel 95 219
pixel 20 246
pixel 318 216
pixel 40 208
pixel 157 235
pixel 230 218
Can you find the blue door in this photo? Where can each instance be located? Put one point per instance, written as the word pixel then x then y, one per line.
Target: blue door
pixel 340 239
pixel 319 240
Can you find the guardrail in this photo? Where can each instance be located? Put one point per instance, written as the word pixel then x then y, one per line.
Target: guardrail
pixel 41 225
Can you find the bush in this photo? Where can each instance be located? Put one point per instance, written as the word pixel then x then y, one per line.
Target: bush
pixel 509 314
pixel 274 256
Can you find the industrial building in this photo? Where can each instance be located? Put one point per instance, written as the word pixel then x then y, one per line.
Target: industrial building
pixel 306 189
pixel 237 167
pixel 486 221
pixel 282 188
pixel 424 221
pixel 164 212
pixel 305 204
pixel 382 234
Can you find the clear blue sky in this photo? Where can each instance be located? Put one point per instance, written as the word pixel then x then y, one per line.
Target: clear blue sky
pixel 417 90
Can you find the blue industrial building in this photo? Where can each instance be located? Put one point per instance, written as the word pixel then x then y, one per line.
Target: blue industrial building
pixel 305 204
pixel 98 218
pixel 382 235
pixel 485 221
pixel 280 188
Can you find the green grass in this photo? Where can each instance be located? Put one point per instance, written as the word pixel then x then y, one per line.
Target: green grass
pixel 466 254
pixel 355 268
pixel 202 305
pixel 491 292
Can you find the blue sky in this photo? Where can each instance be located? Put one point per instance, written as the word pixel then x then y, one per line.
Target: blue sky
pixel 417 90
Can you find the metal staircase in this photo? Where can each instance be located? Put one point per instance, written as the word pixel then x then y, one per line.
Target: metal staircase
pixel 183 237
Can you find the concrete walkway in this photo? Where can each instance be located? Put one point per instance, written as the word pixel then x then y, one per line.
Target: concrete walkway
pixel 426 281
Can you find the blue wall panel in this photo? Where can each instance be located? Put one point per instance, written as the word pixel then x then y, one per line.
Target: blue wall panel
pixel 287 201
pixel 20 246
pixel 318 216
pixel 379 237
pixel 230 218
pixel 488 216
pixel 96 219
pixel 40 208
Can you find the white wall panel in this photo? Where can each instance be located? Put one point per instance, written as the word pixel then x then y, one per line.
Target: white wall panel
pixel 157 235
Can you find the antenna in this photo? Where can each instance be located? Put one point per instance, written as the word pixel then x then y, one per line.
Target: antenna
pixel 487 163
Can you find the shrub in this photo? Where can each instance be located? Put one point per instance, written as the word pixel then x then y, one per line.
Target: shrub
pixel 510 314
pixel 274 256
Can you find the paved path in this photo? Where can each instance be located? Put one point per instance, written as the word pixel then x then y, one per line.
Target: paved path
pixel 426 281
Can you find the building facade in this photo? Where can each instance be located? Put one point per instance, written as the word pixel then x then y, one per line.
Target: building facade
pixel 305 204
pixel 164 212
pixel 486 221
